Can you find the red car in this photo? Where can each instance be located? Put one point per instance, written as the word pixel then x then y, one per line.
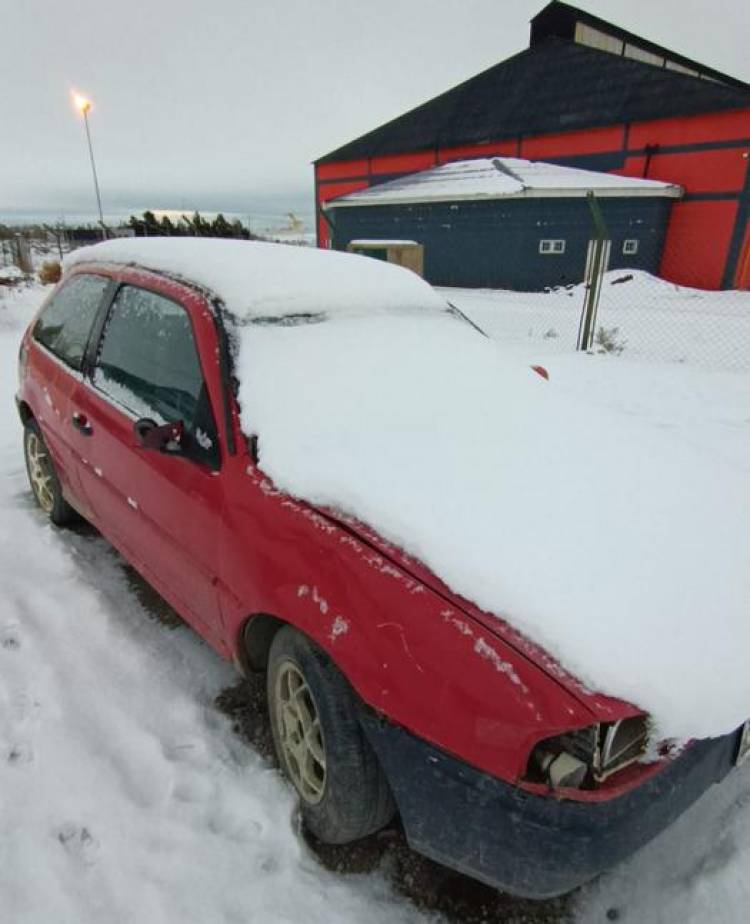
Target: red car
pixel 127 398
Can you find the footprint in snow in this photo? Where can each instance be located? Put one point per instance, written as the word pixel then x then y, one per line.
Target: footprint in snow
pixel 23 706
pixel 10 637
pixel 79 843
pixel 20 753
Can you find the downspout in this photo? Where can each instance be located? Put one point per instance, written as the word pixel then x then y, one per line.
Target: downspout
pixel 651 149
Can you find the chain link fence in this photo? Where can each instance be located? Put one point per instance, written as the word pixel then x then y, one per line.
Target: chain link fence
pixel 624 311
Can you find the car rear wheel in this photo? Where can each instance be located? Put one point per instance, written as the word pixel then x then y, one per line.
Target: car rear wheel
pixel 45 485
pixel 320 745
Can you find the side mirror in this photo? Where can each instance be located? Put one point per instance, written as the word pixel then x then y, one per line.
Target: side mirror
pixel 161 437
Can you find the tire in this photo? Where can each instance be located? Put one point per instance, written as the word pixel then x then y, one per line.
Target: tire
pixel 343 792
pixel 43 480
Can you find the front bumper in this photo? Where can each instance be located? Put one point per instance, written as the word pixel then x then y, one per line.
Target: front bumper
pixel 524 844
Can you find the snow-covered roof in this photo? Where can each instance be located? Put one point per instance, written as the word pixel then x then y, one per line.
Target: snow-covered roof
pixel 256 279
pixel 502 178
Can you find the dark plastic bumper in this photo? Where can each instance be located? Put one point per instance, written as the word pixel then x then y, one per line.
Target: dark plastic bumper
pixel 530 845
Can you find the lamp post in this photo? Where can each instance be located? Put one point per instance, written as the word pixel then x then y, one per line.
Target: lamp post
pixel 83 105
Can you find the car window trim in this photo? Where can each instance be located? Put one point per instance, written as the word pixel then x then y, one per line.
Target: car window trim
pixel 97 328
pixel 94 345
pixel 225 371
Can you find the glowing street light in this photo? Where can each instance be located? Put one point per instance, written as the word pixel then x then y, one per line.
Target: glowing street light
pixel 83 105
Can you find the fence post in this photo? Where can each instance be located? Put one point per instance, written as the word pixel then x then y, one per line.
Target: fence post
pixel 22 255
pixel 597 260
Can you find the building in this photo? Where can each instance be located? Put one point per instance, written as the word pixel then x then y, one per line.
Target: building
pixel 587 94
pixel 507 223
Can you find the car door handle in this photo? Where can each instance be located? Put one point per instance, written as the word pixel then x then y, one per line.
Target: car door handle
pixel 81 423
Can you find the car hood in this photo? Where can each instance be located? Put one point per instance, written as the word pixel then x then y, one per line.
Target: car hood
pixel 621 553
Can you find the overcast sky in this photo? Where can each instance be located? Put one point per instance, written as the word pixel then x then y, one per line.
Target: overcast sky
pixel 224 104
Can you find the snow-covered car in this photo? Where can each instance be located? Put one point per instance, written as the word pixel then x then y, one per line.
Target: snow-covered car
pixel 334 479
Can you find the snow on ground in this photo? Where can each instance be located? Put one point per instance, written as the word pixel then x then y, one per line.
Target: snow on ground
pixel 654 319
pixel 124 795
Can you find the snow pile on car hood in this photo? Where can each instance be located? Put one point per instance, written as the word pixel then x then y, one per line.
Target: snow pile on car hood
pixel 623 552
pixel 260 280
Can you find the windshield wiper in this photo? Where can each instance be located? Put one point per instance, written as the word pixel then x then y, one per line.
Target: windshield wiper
pixel 456 310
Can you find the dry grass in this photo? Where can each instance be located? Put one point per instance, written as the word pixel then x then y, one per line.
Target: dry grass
pixel 50 272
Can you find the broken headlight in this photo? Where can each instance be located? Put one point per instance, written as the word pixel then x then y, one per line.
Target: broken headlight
pixel 583 758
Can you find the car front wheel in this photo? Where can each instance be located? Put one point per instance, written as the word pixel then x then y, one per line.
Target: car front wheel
pixel 320 745
pixel 45 485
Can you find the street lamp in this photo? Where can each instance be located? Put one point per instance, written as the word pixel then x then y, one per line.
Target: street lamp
pixel 83 105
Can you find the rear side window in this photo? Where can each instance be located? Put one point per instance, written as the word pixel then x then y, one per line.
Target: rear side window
pixel 65 324
pixel 148 363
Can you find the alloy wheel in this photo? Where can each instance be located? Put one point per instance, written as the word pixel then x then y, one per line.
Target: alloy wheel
pixel 40 472
pixel 300 733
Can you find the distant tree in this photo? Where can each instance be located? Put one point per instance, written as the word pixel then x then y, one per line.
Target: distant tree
pixel 166 227
pixel 220 227
pixel 194 225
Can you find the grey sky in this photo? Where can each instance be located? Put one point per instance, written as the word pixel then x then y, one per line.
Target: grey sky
pixel 223 104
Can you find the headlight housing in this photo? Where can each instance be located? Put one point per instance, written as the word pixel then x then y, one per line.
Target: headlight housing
pixel 584 758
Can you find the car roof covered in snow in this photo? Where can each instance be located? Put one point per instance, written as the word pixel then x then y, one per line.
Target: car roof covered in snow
pixel 502 178
pixel 258 280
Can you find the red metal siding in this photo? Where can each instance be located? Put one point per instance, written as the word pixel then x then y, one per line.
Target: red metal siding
pixel 589 141
pixel 328 191
pixel 723 170
pixel 487 149
pixel 403 163
pixel 719 126
pixel 333 190
pixel 323 235
pixel 634 166
pixel 698 237
pixel 338 171
pixel 742 276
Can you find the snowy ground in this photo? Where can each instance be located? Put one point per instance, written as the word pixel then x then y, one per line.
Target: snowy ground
pixel 124 794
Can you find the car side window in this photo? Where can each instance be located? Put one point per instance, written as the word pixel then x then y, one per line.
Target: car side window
pixel 148 363
pixel 65 324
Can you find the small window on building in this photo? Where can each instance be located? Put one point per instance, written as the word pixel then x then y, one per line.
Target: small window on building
pixel 595 38
pixel 630 247
pixel 681 69
pixel 640 54
pixel 550 246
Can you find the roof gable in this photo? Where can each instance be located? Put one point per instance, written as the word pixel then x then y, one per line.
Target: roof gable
pixel 556 85
pixel 561 20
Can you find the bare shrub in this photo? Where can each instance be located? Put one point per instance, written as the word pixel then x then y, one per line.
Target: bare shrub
pixel 607 341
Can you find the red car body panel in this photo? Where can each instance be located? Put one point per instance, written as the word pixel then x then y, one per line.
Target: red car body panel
pixel 223 546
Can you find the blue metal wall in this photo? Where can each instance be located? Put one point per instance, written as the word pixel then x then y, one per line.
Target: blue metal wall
pixel 495 243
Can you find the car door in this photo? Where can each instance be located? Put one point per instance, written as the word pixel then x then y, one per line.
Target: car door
pixel 162 509
pixel 59 340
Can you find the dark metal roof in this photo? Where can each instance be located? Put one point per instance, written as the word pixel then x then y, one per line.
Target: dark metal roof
pixel 556 85
pixel 559 20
